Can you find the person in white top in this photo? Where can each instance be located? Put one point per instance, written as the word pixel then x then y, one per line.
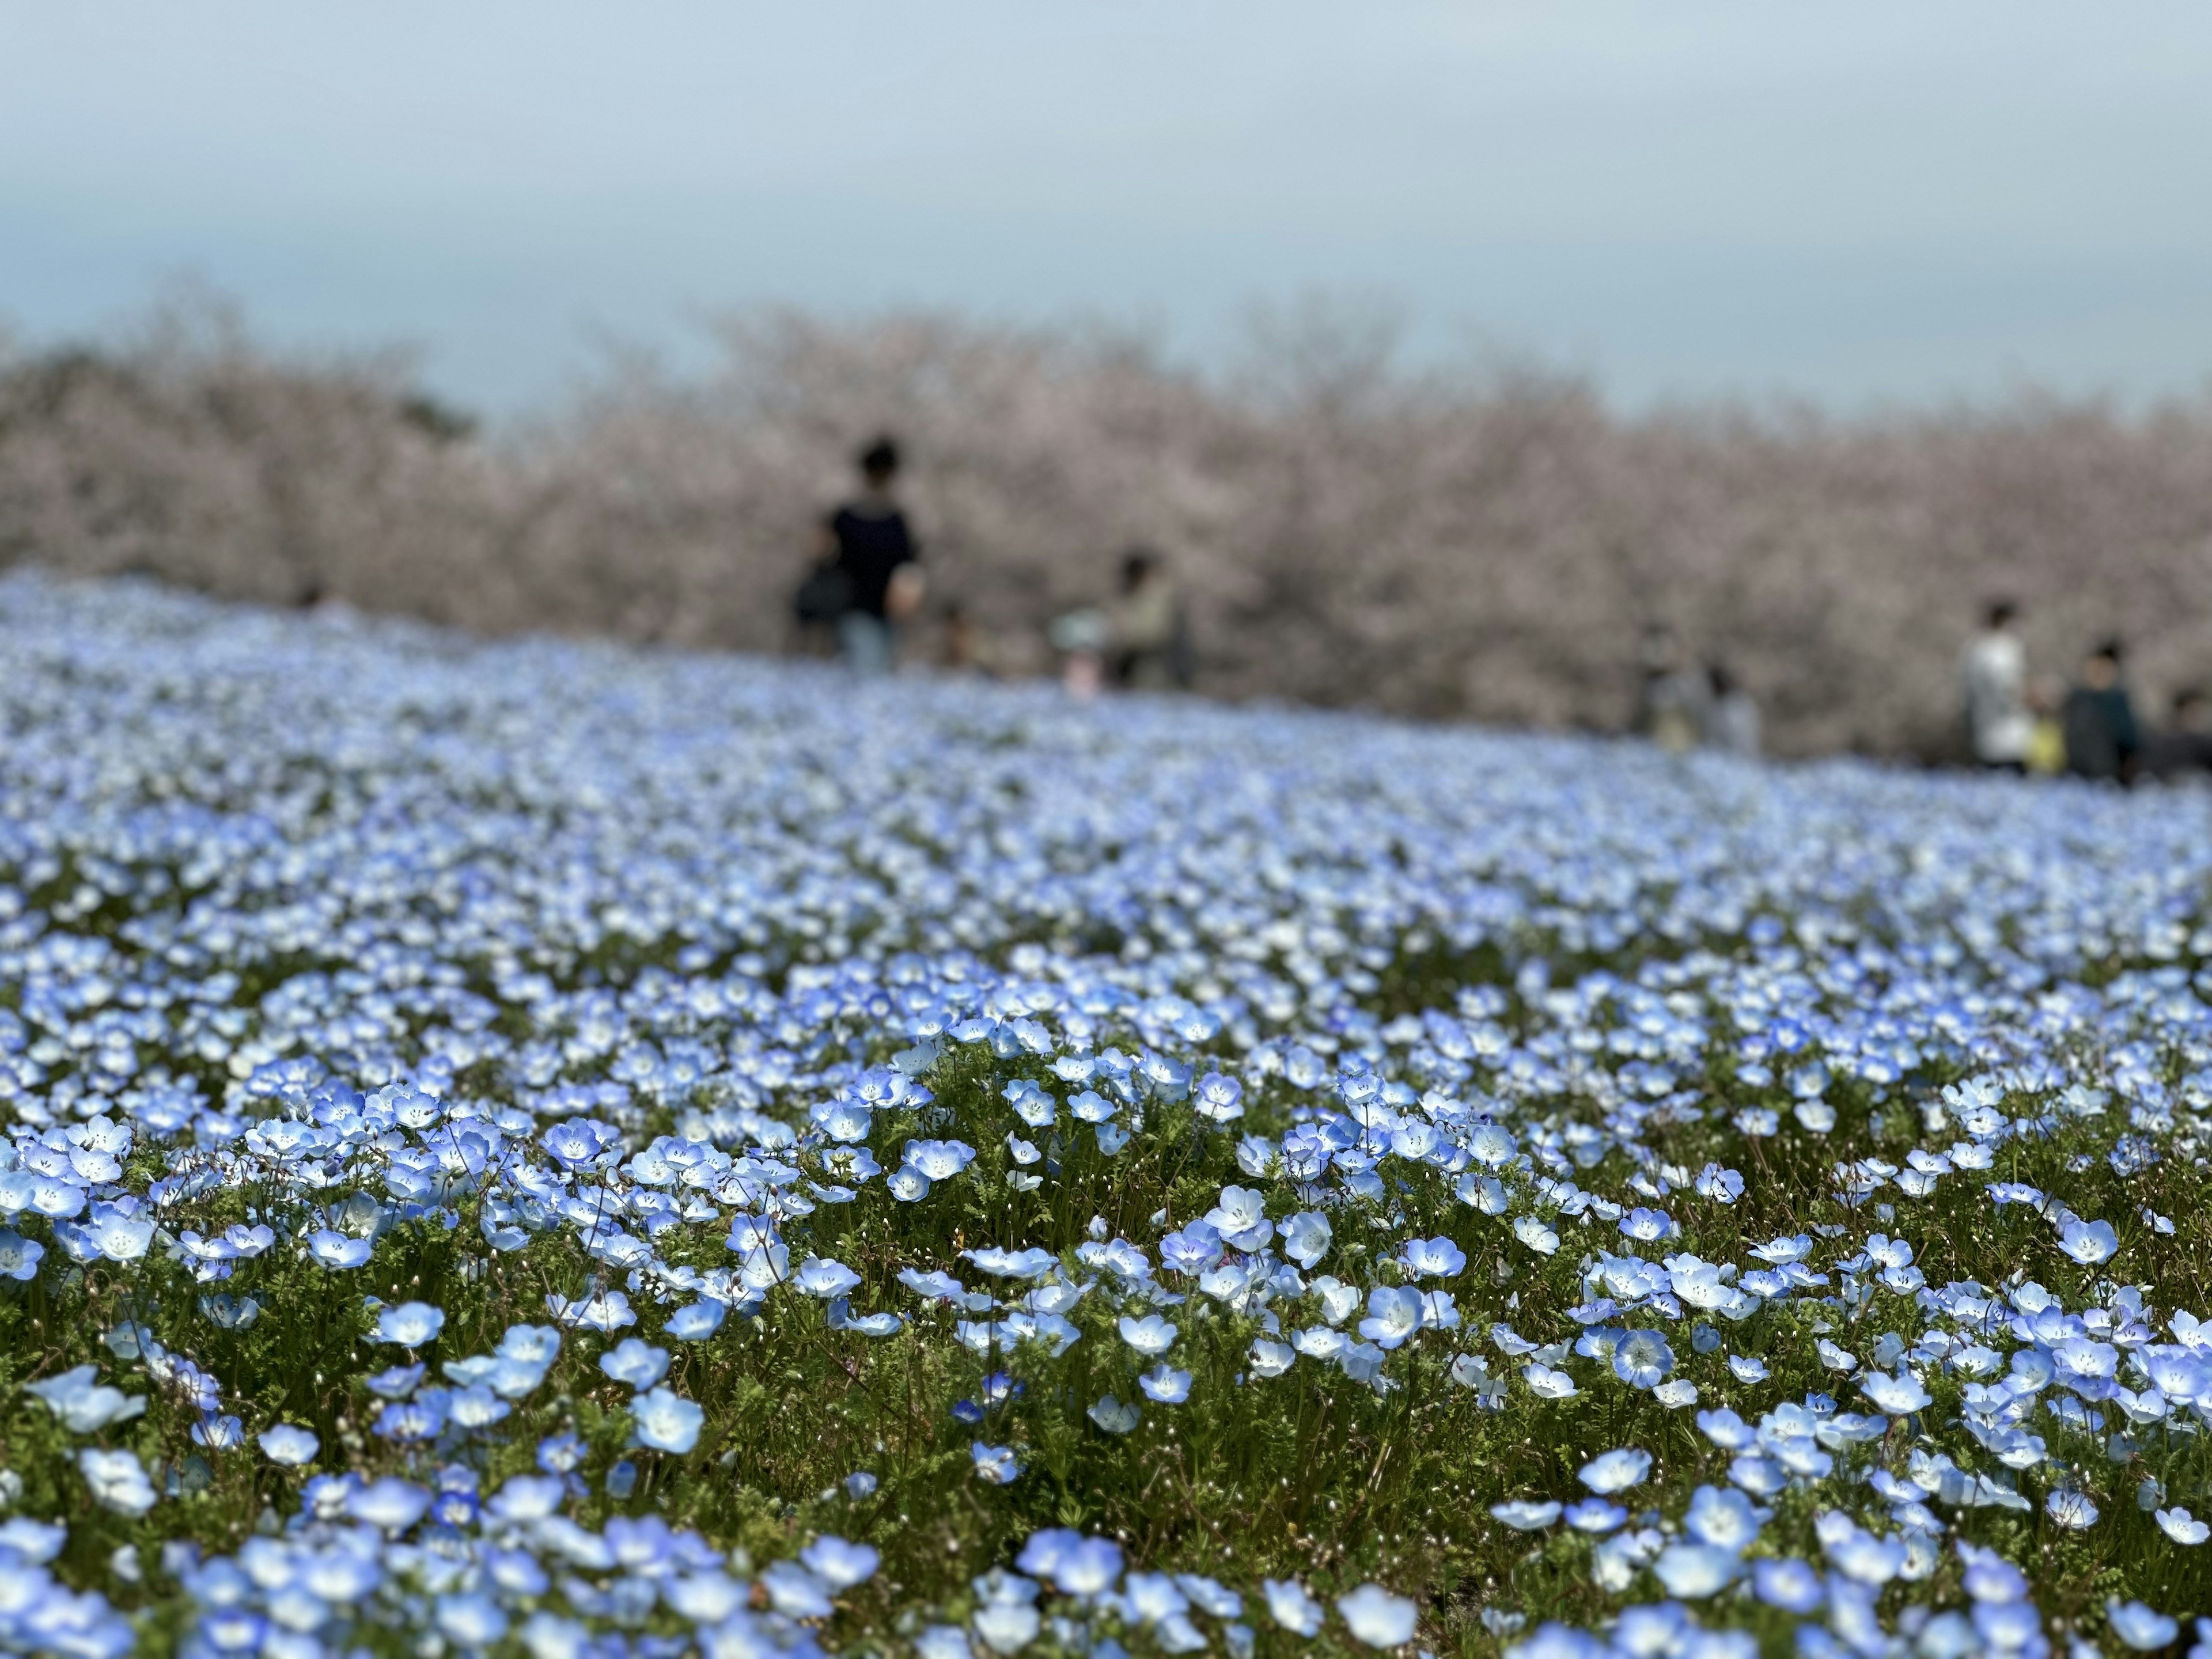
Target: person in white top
pixel 1993 676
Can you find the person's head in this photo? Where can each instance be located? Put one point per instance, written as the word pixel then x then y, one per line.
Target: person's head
pixel 2192 709
pixel 879 462
pixel 2100 669
pixel 1139 566
pixel 1721 677
pixel 2000 615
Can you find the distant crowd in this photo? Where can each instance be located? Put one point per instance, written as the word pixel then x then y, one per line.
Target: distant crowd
pixel 2017 722
pixel 867 585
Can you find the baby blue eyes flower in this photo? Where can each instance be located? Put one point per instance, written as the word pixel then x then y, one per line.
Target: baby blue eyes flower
pixel 19 1257
pixel 292 1447
pixel 83 1404
pixel 1306 1237
pixel 1643 1359
pixel 1241 1218
pixel 1694 1571
pixel 1899 1396
pixel 1724 1519
pixel 1594 1515
pixel 2088 1243
pixel 1031 1103
pixel 1091 1107
pixel 1194 1250
pixel 335 1250
pixel 579 1140
pixel 390 1503
pixel 638 1364
pixel 219 1433
pixel 2140 1627
pixel 1151 1336
pixel 410 1325
pixel 698 1321
pixel 1166 1385
pixel 939 1160
pixel 1289 1605
pixel 1725 1430
pixel 818 1276
pixel 2071 1509
pixel 1616 1471
pixel 1531 1231
pixel 471 1620
pixel 1789 1584
pixel 607 1312
pixel 1525 1516
pixel 1392 1316
pixel 666 1422
pixel 1434 1257
pixel 997 1465
pixel 847 1122
pixel 1747 1368
pixel 1219 1099
pixel 907 1184
pixel 838 1564
pixel 1548 1384
pixel 1013 1264
pixel 116 1479
pixel 2182 1527
pixel 1111 1415
pixel 1648 1226
pixel 1376 1617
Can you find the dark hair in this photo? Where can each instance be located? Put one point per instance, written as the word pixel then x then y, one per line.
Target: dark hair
pixel 881 458
pixel 2109 649
pixel 1721 678
pixel 2001 611
pixel 1138 564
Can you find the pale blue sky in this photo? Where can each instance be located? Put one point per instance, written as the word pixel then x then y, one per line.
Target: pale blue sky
pixel 1861 201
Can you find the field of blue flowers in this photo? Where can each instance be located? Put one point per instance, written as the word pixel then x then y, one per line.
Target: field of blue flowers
pixel 535 1148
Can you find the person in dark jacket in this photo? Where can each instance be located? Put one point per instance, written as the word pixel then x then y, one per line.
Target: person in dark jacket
pixel 2098 721
pixel 868 542
pixel 2183 749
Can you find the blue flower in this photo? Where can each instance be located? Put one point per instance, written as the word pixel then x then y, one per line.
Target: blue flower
pixel 638 1364
pixel 410 1325
pixel 1643 1359
pixel 1166 1385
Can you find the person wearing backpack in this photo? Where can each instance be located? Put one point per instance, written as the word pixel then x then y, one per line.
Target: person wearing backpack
pixel 868 576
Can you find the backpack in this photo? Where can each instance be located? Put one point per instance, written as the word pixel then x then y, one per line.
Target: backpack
pixel 824 596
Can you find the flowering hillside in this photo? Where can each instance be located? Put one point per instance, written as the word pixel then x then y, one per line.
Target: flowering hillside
pixel 537 1147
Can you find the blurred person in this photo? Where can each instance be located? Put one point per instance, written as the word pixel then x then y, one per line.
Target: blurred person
pixel 2100 722
pixel 1731 715
pixel 2047 741
pixel 1672 702
pixel 1150 648
pixel 967 647
pixel 1083 638
pixel 1993 680
pixel 867 544
pixel 2184 748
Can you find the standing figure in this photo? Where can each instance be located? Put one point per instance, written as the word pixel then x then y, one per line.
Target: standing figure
pixel 1149 640
pixel 2100 722
pixel 1674 695
pixel 866 543
pixel 1731 714
pixel 1993 681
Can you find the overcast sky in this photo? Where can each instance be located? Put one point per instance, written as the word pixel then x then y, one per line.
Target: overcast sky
pixel 1866 201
